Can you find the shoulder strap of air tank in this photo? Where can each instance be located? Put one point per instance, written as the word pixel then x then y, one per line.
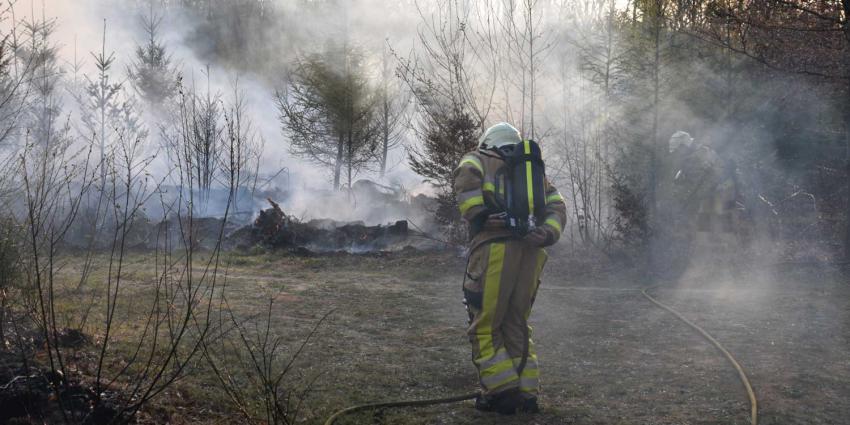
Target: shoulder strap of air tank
pixel 528 154
pixel 492 153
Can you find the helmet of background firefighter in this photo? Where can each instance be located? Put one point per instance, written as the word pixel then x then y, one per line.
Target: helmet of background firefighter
pixel 680 139
pixel 499 135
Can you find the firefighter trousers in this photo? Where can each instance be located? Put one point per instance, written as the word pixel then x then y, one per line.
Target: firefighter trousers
pixel 501 283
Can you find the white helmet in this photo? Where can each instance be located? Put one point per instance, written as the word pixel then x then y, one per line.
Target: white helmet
pixel 498 135
pixel 680 138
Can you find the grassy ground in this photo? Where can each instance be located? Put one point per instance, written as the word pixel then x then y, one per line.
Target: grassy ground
pixel 397 331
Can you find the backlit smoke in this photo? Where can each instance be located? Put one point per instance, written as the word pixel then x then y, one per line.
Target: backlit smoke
pixel 584 91
pixel 84 28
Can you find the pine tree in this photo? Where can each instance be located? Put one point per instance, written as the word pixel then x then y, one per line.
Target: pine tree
pixel 101 103
pixel 42 119
pixel 11 94
pixel 328 110
pixel 449 134
pixel 152 74
pixel 109 114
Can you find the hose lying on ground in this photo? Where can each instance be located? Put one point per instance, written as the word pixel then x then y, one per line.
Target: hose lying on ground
pixel 404 403
pixel 741 374
pixel 427 402
pixel 423 402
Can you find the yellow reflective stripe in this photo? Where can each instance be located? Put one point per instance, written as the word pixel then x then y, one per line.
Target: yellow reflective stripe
pixel 530 369
pixel 498 368
pixel 471 202
pixel 486 363
pixel 554 223
pixel 469 194
pixel 542 256
pixel 502 185
pixel 492 283
pixel 530 373
pixel 489 187
pixel 529 184
pixel 554 198
pixel 529 380
pixel 473 161
pixel 495 381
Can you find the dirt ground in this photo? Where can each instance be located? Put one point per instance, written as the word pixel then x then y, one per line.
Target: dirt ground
pixel 396 330
pixel 608 356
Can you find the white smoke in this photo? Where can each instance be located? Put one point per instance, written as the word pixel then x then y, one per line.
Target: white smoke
pixel 85 27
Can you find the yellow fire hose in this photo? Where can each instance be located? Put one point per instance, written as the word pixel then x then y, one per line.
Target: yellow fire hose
pixel 427 402
pixel 741 374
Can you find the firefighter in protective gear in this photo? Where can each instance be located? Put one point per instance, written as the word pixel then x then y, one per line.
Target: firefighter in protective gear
pixel 702 198
pixel 502 277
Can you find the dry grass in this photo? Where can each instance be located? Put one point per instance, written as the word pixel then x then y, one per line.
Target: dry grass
pixel 398 331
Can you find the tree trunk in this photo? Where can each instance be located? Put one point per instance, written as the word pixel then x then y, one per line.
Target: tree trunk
pixel 386 134
pixel 340 146
pixel 385 127
pixel 350 160
pixel 531 68
pixel 103 87
pixel 653 161
pixel 652 219
pixel 846 28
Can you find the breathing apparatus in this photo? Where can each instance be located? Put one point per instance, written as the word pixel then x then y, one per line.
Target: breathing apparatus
pixel 520 184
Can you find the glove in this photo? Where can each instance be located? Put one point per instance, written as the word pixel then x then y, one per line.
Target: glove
pixel 538 237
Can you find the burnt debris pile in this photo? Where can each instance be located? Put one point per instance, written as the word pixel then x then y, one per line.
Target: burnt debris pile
pixel 273 228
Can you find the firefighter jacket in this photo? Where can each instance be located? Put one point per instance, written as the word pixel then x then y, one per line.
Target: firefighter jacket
pixel 475 186
pixel 698 192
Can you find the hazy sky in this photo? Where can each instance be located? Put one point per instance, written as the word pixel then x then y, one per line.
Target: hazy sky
pixel 80 26
pixel 79 32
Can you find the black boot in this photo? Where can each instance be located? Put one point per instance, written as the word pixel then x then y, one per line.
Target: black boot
pixel 507 402
pixel 484 403
pixel 529 404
